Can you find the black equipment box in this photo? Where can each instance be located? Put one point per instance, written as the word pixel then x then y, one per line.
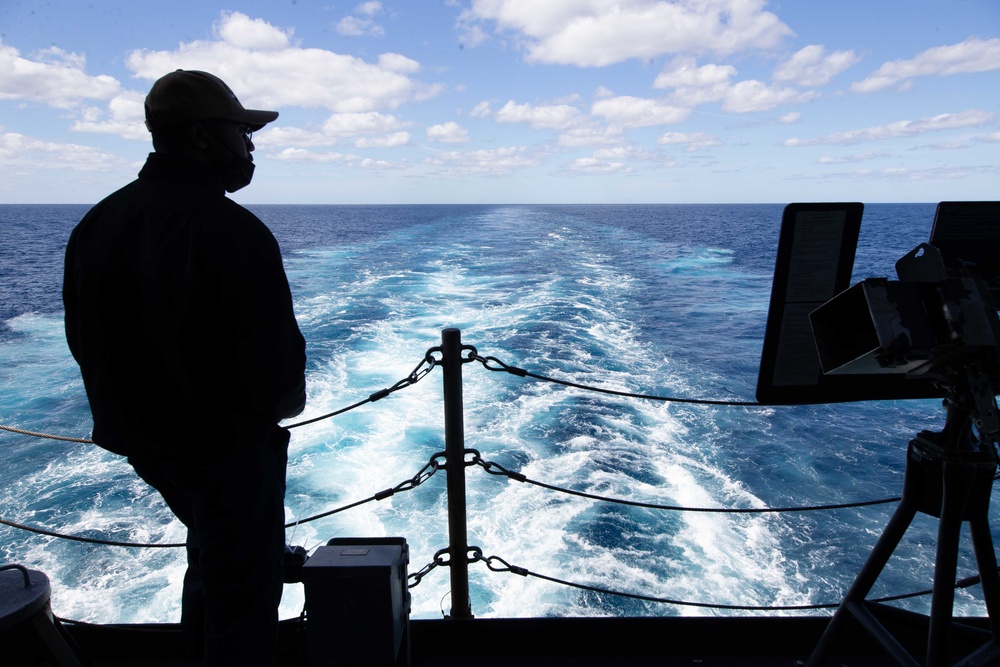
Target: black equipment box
pixel 357 602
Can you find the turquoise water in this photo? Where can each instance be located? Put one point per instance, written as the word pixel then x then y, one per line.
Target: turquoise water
pixel 661 300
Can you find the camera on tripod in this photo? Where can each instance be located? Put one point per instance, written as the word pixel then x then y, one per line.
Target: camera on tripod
pixel 937 318
pixel 938 322
pixel 934 332
pixel 882 339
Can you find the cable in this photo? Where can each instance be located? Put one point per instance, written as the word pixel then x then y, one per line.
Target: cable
pixel 520 372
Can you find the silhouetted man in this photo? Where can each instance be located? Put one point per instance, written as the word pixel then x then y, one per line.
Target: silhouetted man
pixel 180 316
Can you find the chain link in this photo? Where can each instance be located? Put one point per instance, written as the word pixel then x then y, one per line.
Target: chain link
pixel 422 475
pixel 443 558
pixel 418 576
pixel 415 376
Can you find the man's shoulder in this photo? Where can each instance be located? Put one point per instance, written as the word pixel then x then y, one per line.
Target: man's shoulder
pixel 118 195
pixel 212 214
pixel 239 219
pixel 231 225
pixel 105 208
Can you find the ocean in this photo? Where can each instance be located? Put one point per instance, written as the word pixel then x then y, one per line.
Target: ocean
pixel 663 300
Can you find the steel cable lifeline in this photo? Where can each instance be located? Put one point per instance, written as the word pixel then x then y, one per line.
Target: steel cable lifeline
pixel 419 373
pixel 520 372
pixel 50 436
pixel 435 464
pixel 476 556
pixel 492 468
pixel 489 363
pixel 524 572
pixel 422 369
pixel 497 469
pixel 415 376
pixel 422 476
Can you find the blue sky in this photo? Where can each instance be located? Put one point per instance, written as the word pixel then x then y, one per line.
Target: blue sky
pixel 522 101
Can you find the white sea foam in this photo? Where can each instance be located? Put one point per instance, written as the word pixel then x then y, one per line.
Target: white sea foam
pixel 542 290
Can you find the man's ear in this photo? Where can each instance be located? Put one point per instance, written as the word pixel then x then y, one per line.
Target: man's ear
pixel 198 136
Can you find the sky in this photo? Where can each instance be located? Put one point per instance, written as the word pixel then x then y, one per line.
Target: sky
pixel 522 101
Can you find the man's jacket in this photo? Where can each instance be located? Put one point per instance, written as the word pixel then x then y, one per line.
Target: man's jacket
pixel 180 316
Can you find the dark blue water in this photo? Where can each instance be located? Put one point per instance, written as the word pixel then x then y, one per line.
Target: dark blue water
pixel 664 300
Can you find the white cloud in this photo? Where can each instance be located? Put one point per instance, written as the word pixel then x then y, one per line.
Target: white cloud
pixel 354 124
pixel 578 137
pixel 857 157
pixel 638 112
pixel 369 8
pixel 597 167
pixel 684 72
pixel 626 153
pixel 57 57
pixel 290 76
pixel 362 24
pixel 280 135
pixel 22 153
pixel 972 55
pixel 369 129
pixel 789 118
pixel 396 62
pixel 448 133
pixel 615 160
pixel 903 128
pixel 306 156
pixel 55 78
pixel 470 34
pixel 377 165
pixel 694 85
pixel 994 137
pixel 481 110
pixel 945 146
pixel 244 32
pixel 487 162
pixel 751 95
pixel 352 26
pixel 551 117
pixel 923 174
pixel 387 141
pixel 127 117
pixel 812 66
pixel 604 32
pixel 692 141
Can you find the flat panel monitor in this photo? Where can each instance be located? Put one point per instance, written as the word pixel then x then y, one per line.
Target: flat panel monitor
pixel 815 258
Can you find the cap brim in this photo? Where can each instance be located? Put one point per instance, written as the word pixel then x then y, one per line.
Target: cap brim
pixel 257 118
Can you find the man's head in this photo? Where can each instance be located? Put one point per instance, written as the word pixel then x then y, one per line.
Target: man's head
pixel 196 114
pixel 186 96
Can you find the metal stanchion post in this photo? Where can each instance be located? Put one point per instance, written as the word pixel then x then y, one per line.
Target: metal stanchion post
pixel 454 439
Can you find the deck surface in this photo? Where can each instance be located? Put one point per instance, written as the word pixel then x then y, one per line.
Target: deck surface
pixel 552 642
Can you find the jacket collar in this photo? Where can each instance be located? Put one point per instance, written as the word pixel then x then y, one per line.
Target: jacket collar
pixel 181 169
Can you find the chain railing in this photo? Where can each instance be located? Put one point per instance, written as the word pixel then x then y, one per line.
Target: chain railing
pixel 452 356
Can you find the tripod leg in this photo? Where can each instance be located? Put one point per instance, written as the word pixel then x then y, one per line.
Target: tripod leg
pixel 957 479
pixel 986 558
pixel 870 571
pixel 882 551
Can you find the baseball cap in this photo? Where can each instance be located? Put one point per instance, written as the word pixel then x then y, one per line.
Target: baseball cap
pixel 185 96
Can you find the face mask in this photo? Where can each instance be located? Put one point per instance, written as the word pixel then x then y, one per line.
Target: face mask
pixel 239 169
pixel 239 175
